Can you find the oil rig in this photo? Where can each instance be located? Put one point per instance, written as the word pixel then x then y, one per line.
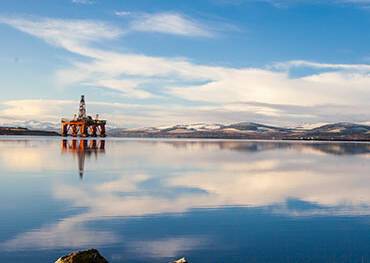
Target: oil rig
pixel 83 125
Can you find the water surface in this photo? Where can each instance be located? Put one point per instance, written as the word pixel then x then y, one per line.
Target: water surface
pixel 211 201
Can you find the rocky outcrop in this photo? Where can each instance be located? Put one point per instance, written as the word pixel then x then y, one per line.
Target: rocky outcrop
pixel 87 256
pixel 93 256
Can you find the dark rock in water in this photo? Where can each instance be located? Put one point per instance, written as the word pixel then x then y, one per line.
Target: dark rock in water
pixel 87 256
pixel 93 256
pixel 181 260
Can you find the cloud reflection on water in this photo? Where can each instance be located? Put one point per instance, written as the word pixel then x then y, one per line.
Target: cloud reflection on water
pixel 143 178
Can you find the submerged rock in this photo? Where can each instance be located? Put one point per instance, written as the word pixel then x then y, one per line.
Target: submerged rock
pixel 181 260
pixel 87 256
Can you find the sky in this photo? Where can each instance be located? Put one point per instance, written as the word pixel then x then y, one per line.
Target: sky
pixel 146 63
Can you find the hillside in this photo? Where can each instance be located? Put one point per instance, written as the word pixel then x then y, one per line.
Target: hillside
pixel 25 131
pixel 249 130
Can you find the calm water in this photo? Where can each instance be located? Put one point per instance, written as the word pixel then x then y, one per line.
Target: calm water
pixel 211 201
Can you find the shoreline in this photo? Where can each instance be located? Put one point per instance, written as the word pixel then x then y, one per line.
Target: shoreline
pixel 164 138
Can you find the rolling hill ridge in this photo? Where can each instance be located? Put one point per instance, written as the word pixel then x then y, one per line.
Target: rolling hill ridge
pixel 249 130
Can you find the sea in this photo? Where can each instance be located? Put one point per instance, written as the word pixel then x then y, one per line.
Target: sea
pixel 157 200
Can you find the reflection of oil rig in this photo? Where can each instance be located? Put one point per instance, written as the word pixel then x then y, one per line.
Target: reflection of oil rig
pixel 83 148
pixel 83 125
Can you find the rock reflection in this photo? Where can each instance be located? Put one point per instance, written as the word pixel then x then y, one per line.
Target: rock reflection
pixel 83 148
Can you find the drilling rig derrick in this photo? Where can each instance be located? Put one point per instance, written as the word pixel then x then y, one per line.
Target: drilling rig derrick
pixel 83 125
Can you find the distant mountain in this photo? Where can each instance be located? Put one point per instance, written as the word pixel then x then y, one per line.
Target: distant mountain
pixel 342 127
pixel 256 127
pixel 250 130
pixel 35 125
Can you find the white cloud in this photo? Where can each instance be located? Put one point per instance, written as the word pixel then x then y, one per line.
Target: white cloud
pixel 309 64
pixel 122 13
pixel 72 35
pixel 29 109
pixel 221 93
pixel 270 87
pixel 170 23
pixel 83 2
pixel 125 87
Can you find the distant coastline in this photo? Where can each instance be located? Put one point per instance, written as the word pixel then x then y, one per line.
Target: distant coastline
pixel 26 131
pixel 206 136
pixel 251 131
pixel 244 131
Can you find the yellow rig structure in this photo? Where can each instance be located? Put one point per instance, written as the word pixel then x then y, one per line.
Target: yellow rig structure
pixel 83 125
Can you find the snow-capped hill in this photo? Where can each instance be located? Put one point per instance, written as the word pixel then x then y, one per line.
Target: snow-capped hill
pixel 204 126
pixel 242 126
pixel 251 130
pixel 192 127
pixel 310 126
pixel 343 127
pixel 256 127
pixel 35 125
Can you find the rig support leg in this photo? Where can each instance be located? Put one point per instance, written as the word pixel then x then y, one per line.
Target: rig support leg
pixel 64 130
pixel 83 131
pixel 102 130
pixel 93 131
pixel 74 130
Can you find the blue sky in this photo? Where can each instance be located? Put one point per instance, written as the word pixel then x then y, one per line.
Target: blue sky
pixel 143 63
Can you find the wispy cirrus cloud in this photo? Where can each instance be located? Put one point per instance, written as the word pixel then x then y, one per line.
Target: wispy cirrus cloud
pixel 122 13
pixel 71 34
pixel 172 23
pixel 316 65
pixel 83 2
